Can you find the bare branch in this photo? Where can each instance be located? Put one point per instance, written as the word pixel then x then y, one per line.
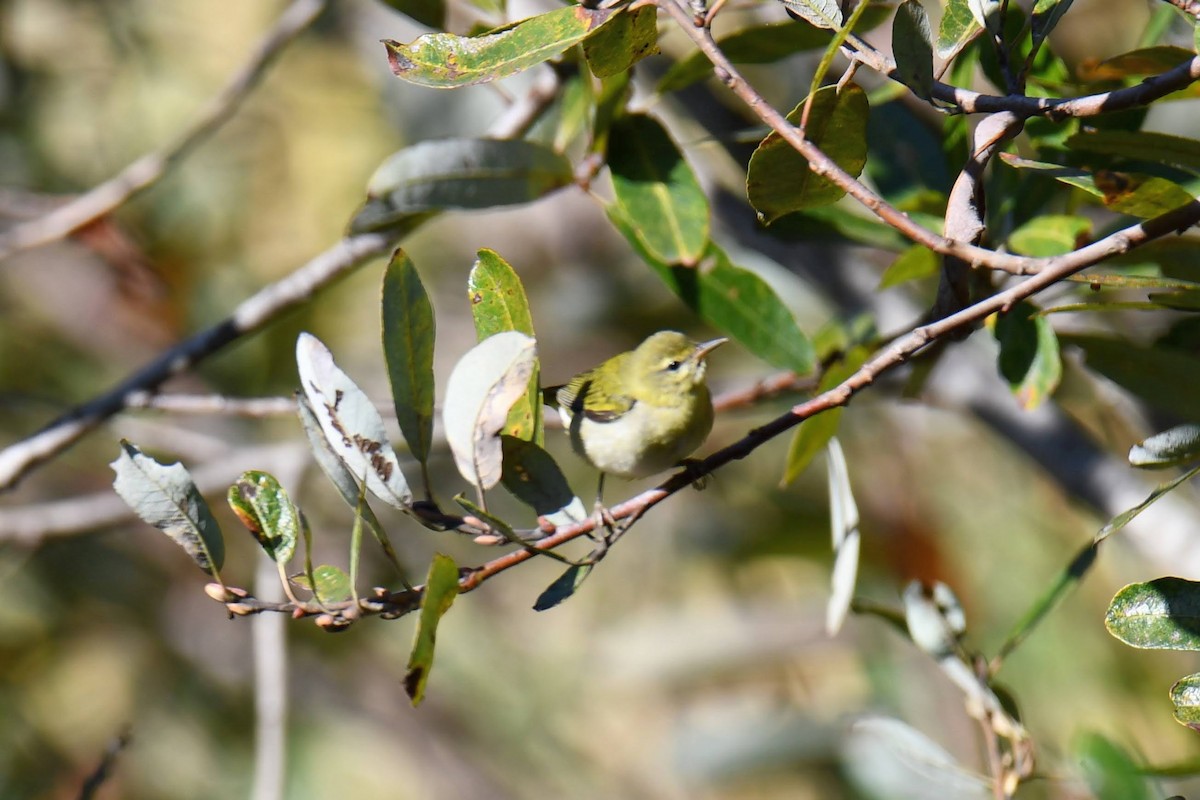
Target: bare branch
pixel 251 407
pixel 104 198
pixel 263 307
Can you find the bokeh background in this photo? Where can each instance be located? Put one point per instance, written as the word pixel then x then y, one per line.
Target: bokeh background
pixel 693 662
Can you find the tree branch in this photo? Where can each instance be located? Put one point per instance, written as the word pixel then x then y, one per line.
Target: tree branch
pixel 268 304
pixel 104 198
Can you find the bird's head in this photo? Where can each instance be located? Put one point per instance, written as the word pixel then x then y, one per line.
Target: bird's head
pixel 668 367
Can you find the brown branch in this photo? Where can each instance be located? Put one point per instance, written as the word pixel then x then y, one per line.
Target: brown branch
pixel 104 198
pixel 268 304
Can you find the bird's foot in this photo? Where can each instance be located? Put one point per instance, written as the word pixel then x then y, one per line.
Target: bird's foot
pixel 691 469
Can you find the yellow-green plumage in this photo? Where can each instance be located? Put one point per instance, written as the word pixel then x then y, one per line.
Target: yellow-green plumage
pixel 643 411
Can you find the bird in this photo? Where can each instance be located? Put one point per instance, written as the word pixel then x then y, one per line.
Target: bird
pixel 640 412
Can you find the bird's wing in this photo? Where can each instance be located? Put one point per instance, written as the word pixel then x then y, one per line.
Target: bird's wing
pixel 597 393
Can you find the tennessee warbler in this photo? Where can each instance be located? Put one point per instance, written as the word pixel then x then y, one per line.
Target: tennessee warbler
pixel 642 411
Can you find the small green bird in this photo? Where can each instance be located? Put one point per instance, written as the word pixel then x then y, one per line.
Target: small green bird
pixel 642 411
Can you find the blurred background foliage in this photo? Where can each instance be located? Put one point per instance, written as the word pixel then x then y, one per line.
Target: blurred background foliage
pixel 693 664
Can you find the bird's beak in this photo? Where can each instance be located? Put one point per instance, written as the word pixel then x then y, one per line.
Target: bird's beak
pixel 704 348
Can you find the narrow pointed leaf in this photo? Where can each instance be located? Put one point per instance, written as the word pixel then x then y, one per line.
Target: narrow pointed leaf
pixel 498 304
pixel 913 49
pixel 1163 614
pixel 1126 516
pixel 483 386
pixel 165 496
pixel 816 432
pixel 779 181
pixel 463 174
pixel 563 587
pixel 626 39
pixel 1029 355
pixel 444 61
pixel 533 477
pixel 657 191
pixel 957 29
pixel 844 523
pixel 1179 445
pixel 1140 195
pixel 1046 14
pixel 408 336
pixel 350 422
pixel 1144 61
pixel 263 506
pixel 1140 145
pixel 441 587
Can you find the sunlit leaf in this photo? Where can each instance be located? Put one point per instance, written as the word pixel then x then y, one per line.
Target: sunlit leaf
pixel 1163 614
pixel 441 587
pixel 534 478
pixel 1049 235
pixel 913 264
pixel 332 584
pixel 1141 145
pixel 1178 445
pixel 912 48
pixel 1140 195
pixel 1029 356
pixel 483 386
pixel 498 304
pixel 822 13
pixel 1144 61
pixel 957 29
pixel 350 422
pixel 1046 14
pixel 460 174
pixel 408 335
pixel 657 191
pixel 779 180
pixel 563 587
pixel 263 506
pixel 815 432
pixel 987 13
pixel 165 496
pixel 1185 695
pixel 443 60
pixel 628 37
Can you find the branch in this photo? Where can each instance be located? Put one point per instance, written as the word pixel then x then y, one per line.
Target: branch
pixel 104 198
pixel 260 309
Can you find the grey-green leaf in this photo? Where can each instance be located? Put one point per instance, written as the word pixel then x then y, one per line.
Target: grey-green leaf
pixel 534 478
pixel 563 587
pixel 464 174
pixel 1178 445
pixel 263 506
pixel 1163 614
pixel 408 335
pixel 165 496
pixel 913 48
pixel 657 191
pixel 350 422
pixel 483 386
pixel 887 758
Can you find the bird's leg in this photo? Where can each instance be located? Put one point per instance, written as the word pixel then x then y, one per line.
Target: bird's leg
pixel 602 531
pixel 690 467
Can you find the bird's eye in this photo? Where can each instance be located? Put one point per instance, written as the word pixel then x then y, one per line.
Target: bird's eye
pixel 674 365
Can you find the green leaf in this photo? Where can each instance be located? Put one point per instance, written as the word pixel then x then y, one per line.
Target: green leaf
pixel 885 757
pixel 1178 445
pixel 464 174
pixel 764 44
pixel 1049 235
pixel 815 432
pixel 1140 195
pixel 351 424
pixel 534 478
pixel 915 263
pixel 1185 695
pixel 332 584
pixel 577 105
pixel 408 336
pixel 779 181
pixel 165 496
pixel 743 305
pixel 262 505
pixel 1141 145
pixel 912 47
pixel 1165 378
pixel 1029 357
pixel 1163 614
pixel 483 386
pixel 1126 516
pixel 1046 14
pixel 657 191
pixel 431 13
pixel 957 29
pixel 444 61
pixel 563 587
pixel 1110 772
pixel 441 587
pixel 628 38
pixel 1067 580
pixel 498 304
pixel 821 13
pixel 1144 61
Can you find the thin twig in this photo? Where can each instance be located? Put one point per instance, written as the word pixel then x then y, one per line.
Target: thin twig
pixel 104 198
pixel 265 306
pixel 217 404
pixel 104 769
